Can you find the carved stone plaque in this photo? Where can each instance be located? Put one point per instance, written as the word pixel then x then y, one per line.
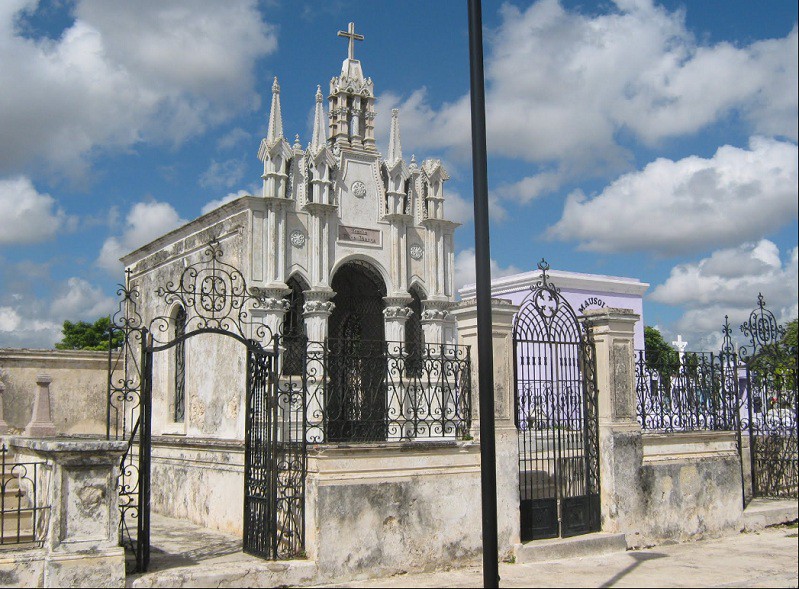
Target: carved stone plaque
pixel 359 235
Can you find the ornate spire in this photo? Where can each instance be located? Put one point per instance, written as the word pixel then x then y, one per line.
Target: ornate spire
pixel 319 132
pixel 275 117
pixel 394 143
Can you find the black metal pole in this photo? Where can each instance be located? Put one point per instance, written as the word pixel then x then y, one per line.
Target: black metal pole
pixel 488 470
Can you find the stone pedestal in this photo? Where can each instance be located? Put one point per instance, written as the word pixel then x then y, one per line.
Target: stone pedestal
pixel 620 442
pixel 506 438
pixel 79 483
pixel 41 423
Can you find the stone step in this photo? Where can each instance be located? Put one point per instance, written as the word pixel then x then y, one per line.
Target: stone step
pixel 561 548
pixel 240 571
pixel 763 512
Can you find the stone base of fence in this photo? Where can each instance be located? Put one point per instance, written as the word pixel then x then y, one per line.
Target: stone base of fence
pixel 80 528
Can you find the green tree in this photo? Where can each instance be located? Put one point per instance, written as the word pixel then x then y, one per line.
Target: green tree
pixel 660 356
pixel 776 363
pixel 88 336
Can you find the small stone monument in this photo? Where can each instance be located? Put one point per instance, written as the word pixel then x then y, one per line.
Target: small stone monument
pixel 41 423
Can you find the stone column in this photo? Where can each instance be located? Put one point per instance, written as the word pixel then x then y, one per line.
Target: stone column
pixel 507 447
pixel 620 442
pixel 271 311
pixel 435 319
pixel 396 313
pixel 41 423
pixel 80 486
pixel 316 312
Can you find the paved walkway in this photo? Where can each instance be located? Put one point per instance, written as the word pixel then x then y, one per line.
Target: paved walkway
pixel 767 558
pixel 759 559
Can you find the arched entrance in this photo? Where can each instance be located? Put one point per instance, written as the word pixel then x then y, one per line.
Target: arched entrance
pixel 210 297
pixel 556 417
pixel 356 400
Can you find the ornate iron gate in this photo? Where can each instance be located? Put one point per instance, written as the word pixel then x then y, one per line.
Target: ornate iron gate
pixel 556 417
pixel 769 413
pixel 214 299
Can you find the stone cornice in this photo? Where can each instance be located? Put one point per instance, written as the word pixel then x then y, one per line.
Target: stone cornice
pixel 562 280
pixel 39 356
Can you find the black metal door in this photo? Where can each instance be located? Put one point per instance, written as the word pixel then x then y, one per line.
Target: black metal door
pixel 274 461
pixel 769 410
pixel 556 418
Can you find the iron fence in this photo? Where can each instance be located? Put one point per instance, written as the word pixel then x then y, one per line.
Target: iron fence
pixel 370 391
pixel 695 392
pixel 21 509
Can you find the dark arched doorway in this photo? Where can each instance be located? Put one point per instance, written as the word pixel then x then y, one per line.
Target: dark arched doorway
pixel 356 400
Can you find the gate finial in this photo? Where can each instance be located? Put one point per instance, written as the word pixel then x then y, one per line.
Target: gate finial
pixel 543 265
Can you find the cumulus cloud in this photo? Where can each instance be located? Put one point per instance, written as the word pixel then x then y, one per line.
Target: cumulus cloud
pixel 466 269
pixel 214 204
pixel 727 283
pixel 674 207
pixel 27 216
pixel 104 82
pixel 562 86
pixel 145 222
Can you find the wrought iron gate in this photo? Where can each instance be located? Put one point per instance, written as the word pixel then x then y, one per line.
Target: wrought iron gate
pixel 769 412
pixel 214 299
pixel 556 417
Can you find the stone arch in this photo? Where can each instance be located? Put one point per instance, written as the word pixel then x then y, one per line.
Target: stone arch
pixel 366 261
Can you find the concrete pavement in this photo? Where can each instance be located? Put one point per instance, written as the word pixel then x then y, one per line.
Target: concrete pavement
pixel 767 558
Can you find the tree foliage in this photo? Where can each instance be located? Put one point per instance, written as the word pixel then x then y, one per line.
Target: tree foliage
pixel 660 356
pixel 777 361
pixel 88 336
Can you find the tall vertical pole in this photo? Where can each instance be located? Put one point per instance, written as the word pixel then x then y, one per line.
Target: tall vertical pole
pixel 488 471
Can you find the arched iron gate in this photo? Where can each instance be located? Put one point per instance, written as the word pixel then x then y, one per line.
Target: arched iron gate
pixel 556 417
pixel 216 300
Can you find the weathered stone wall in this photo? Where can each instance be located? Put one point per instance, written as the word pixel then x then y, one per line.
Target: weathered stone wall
pixel 383 509
pixel 690 487
pixel 77 393
pixel 200 480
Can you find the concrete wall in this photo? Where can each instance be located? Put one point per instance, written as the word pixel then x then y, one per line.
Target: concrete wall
pixel 200 480
pixel 78 391
pixel 382 509
pixel 690 487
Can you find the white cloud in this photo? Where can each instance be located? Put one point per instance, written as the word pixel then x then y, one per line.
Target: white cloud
pixel 145 222
pixel 104 83
pixel 674 207
pixel 223 174
pixel 210 206
pixel 466 270
pixel 78 300
pixel 562 86
pixel 27 216
pixel 728 283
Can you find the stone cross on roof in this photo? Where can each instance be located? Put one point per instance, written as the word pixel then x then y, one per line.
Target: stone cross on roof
pixel 352 36
pixel 680 344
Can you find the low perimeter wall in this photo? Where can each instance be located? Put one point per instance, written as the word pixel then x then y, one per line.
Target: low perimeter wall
pixel 78 390
pixel 381 509
pixel 200 480
pixel 690 487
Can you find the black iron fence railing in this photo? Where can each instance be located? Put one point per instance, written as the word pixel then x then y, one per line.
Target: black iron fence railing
pixel 21 508
pixel 695 392
pixel 371 391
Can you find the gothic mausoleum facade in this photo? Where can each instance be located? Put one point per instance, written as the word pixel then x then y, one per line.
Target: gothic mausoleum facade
pixel 335 286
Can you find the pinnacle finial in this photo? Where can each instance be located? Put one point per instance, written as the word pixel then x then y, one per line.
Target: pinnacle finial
pixel 319 96
pixel 319 133
pixel 394 143
pixel 275 130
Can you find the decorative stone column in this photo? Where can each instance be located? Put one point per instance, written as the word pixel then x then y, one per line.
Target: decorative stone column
pixel 80 486
pixel 41 423
pixel 620 441
pixel 396 313
pixel 317 310
pixel 271 311
pixel 435 320
pixel 507 448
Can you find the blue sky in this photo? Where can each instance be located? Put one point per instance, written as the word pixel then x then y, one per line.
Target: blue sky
pixel 656 140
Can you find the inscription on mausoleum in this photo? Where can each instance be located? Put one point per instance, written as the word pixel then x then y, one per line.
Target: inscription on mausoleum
pixel 358 235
